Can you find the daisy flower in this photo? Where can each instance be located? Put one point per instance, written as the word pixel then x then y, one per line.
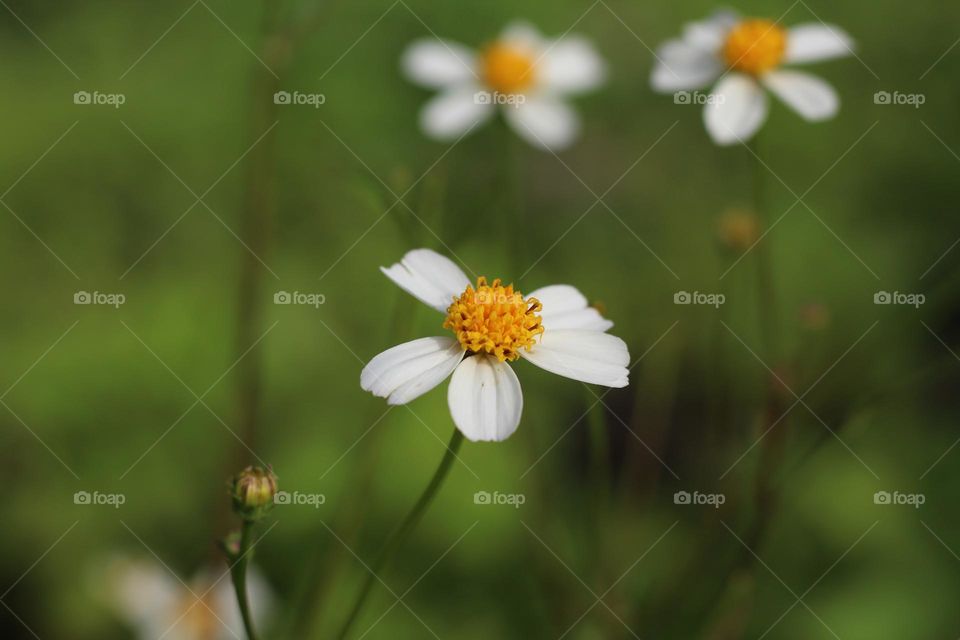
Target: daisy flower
pixel 747 55
pixel 155 604
pixel 493 325
pixel 524 75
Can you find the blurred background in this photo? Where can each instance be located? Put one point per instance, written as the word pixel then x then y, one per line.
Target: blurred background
pixel 656 511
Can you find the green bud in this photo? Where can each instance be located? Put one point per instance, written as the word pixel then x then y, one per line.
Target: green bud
pixel 252 492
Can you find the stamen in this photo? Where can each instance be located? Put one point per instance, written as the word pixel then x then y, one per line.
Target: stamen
pixel 494 319
pixel 755 46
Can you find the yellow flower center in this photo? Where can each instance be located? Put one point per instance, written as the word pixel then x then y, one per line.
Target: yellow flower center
pixel 494 319
pixel 507 68
pixel 755 46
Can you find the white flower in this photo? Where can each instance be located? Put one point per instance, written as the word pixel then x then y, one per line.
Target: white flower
pixel 156 604
pixel 746 55
pixel 524 74
pixel 553 327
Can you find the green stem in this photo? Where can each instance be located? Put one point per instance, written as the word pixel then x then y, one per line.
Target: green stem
pixel 238 572
pixel 400 535
pixel 766 295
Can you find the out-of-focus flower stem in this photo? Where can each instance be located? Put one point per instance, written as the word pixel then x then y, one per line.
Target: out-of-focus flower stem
pixel 399 536
pixel 771 447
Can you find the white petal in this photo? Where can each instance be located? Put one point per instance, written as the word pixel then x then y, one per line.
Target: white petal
pixel 564 307
pixel 142 592
pixel 709 34
pixel 817 41
pixel 571 65
pixel 736 110
pixel 810 96
pixel 485 399
pixel 683 66
pixel 521 33
pixel 439 63
pixel 451 114
pixel 588 356
pixel 428 276
pixel 409 370
pixel 544 121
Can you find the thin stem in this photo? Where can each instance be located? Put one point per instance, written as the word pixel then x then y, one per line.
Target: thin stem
pixel 766 293
pixel 238 572
pixel 400 535
pixel 771 449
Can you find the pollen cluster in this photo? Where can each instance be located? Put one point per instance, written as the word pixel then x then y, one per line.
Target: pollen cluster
pixel 755 46
pixel 494 319
pixel 506 68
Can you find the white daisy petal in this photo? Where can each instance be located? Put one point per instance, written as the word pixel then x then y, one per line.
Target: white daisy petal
pixel 808 95
pixel 736 110
pixel 708 35
pixel 428 276
pixel 571 65
pixel 588 356
pixel 544 121
pixel 485 399
pixel 454 112
pixel 523 34
pixel 816 41
pixel 683 66
pixel 564 307
pixel 439 63
pixel 409 370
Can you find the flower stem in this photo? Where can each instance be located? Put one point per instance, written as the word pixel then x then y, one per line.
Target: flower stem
pixel 400 535
pixel 766 292
pixel 238 573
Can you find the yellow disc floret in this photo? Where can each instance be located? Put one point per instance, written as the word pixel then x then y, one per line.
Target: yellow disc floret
pixel 755 46
pixel 507 68
pixel 494 319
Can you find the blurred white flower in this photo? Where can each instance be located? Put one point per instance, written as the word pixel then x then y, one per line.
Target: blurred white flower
pixel 156 604
pixel 746 55
pixel 524 75
pixel 553 328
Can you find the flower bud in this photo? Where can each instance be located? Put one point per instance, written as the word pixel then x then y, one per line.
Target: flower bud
pixel 252 492
pixel 738 229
